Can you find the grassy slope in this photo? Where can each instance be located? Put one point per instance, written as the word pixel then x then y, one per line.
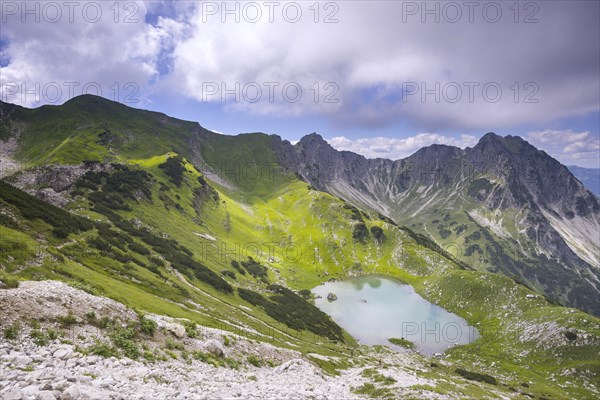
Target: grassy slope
pixel 303 236
pixel 69 133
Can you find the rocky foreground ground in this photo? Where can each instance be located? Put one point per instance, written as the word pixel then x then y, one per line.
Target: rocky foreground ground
pixel 59 372
pixel 44 357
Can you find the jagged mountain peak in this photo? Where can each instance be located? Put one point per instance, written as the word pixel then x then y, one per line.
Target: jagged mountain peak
pixel 313 140
pixel 436 153
pixel 491 142
pixel 312 136
pixel 494 145
pixel 316 148
pixel 490 136
pixel 526 169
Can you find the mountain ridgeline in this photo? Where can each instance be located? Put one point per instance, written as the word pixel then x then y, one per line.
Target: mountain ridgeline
pixel 502 206
pixel 590 177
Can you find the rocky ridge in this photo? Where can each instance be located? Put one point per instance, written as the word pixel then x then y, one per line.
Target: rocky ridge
pixel 540 225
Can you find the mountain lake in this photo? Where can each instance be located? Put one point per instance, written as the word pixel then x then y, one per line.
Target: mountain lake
pixel 374 309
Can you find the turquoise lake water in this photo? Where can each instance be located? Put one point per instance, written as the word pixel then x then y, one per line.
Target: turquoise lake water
pixel 373 309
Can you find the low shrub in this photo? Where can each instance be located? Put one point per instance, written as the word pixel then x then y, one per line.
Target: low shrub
pixel 8 282
pixel 287 307
pixel 174 169
pixel 191 329
pixel 378 234
pixel 476 376
pixel 228 273
pixel 103 350
pixel 68 320
pixel 360 233
pixel 40 338
pixel 12 332
pixel 255 268
pixel 402 342
pixel 237 266
pixel 253 360
pixel 125 339
pixel 147 326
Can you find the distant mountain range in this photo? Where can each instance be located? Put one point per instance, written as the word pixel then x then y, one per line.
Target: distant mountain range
pixel 502 206
pixel 590 177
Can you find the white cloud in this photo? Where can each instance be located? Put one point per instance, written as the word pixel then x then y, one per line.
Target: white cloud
pixel 579 148
pixel 394 149
pixel 85 46
pixel 567 146
pixel 370 55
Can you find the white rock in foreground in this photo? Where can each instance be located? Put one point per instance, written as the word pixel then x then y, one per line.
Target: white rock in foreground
pixel 58 371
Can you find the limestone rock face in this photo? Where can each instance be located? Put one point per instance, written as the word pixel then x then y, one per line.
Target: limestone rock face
pixel 536 221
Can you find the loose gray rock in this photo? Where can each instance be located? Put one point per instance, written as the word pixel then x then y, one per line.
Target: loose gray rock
pixel 46 395
pixel 14 394
pixel 63 353
pixel 71 393
pixel 176 329
pixel 60 373
pixel 30 391
pixel 214 347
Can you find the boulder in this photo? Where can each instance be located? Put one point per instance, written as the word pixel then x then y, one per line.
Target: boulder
pixel 63 353
pixel 46 395
pixel 331 297
pixel 71 393
pixel 295 365
pixel 14 394
pixel 84 392
pixel 22 361
pixel 214 347
pixel 176 329
pixel 30 392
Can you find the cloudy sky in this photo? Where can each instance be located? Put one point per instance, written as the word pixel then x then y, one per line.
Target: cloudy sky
pixel 379 78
